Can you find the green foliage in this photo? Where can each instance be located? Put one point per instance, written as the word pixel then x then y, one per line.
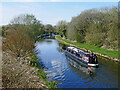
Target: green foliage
pixel 79 38
pixel 33 57
pixel 80 23
pixel 42 74
pixel 113 33
pixel 95 35
pixel 72 30
pixel 51 84
pixel 49 28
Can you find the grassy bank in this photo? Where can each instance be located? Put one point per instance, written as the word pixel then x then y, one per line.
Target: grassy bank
pixel 41 74
pixel 113 55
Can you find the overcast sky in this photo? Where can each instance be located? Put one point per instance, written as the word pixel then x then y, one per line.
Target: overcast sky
pixel 48 12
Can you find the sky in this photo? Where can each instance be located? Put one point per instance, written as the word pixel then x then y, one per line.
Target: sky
pixel 49 11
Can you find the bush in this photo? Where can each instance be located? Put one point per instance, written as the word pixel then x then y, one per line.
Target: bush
pixel 17 43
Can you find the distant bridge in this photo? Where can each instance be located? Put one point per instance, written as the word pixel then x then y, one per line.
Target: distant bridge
pixel 42 36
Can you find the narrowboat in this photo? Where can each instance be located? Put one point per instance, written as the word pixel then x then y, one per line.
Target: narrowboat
pixel 83 57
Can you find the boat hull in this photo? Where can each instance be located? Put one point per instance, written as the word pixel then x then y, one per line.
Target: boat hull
pixel 92 65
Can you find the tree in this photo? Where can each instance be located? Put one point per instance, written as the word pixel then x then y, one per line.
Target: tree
pixel 29 23
pixel 49 28
pixel 61 28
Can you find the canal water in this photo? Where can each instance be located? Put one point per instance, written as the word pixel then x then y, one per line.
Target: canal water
pixel 71 74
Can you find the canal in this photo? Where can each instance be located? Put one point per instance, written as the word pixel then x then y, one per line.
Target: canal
pixel 71 74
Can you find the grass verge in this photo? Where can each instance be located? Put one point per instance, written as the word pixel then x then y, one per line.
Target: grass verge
pixel 110 53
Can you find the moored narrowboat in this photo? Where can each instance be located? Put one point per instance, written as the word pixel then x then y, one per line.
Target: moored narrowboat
pixel 87 59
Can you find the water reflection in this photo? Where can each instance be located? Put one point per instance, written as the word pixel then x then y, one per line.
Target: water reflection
pixel 48 41
pixel 80 67
pixel 61 47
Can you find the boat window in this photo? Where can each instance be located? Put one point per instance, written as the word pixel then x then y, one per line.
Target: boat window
pixel 72 52
pixel 80 55
pixel 76 54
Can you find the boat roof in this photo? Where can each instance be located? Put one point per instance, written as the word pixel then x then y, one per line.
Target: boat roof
pixel 70 47
pixel 78 50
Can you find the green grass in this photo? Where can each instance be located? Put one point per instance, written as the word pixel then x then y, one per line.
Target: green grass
pixel 110 53
pixel 43 76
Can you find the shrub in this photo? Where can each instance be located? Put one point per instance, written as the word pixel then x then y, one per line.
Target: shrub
pixel 17 43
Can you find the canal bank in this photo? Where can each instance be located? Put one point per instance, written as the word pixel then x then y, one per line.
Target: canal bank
pixel 106 54
pixel 23 71
pixel 27 73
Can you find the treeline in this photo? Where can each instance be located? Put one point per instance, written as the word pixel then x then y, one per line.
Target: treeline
pixel 22 32
pixel 28 24
pixel 97 27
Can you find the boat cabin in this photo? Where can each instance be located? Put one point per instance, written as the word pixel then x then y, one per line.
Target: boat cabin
pixel 77 52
